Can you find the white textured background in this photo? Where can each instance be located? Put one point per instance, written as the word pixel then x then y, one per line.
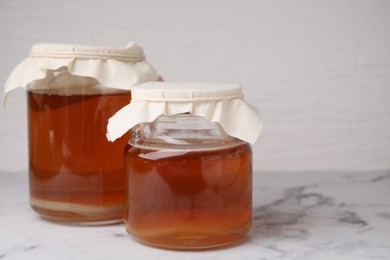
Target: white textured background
pixel 319 71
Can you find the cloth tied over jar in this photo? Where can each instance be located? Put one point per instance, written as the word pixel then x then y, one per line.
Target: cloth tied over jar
pixel 119 68
pixel 222 103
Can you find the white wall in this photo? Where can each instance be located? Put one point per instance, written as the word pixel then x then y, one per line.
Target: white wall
pixel 319 71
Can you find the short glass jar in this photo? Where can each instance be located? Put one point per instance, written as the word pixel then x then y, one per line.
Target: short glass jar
pixel 189 184
pixel 188 164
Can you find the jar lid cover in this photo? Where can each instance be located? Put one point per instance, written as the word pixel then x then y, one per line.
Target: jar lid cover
pixel 222 103
pixel 120 68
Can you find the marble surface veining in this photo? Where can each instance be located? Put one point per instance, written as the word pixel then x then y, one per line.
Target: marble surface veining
pixel 327 216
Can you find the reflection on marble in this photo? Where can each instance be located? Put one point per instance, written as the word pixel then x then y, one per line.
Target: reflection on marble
pixel 326 216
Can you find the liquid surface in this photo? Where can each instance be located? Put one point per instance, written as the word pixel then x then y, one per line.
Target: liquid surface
pixel 75 173
pixel 192 200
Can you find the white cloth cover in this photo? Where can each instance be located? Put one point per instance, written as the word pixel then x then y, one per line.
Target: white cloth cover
pixel 120 68
pixel 222 103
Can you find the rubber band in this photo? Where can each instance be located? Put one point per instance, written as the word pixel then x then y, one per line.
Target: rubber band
pixel 87 55
pixel 187 100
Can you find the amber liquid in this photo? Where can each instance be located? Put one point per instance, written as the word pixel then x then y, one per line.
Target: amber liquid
pixel 196 200
pixel 75 173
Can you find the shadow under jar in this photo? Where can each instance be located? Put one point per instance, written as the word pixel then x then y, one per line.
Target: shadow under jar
pixel 189 184
pixel 75 174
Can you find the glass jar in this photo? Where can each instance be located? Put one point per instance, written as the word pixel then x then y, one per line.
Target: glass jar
pixel 189 184
pixel 76 175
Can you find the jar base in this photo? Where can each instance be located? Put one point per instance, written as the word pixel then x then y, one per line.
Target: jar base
pixel 77 214
pixel 190 238
pixel 189 244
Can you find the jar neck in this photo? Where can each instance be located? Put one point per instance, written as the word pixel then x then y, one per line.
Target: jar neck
pixel 63 83
pixel 182 132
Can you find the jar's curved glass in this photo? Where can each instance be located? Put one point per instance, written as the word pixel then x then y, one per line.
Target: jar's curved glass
pixel 189 184
pixel 76 175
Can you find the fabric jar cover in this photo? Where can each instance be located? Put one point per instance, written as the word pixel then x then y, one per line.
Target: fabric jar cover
pixel 222 103
pixel 120 68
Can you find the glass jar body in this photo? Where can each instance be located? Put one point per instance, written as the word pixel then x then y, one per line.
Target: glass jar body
pixel 75 174
pixel 188 190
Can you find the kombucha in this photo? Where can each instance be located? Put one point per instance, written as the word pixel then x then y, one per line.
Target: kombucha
pixel 76 175
pixel 185 199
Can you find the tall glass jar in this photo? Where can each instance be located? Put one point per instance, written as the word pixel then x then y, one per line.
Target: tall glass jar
pixel 189 184
pixel 188 163
pixel 75 174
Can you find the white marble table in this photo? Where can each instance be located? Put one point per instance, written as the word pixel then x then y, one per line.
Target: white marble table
pixel 301 216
